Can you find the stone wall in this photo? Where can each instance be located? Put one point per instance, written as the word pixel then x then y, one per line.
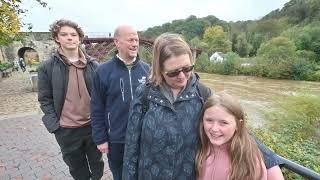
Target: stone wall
pixel 2 55
pixel 41 42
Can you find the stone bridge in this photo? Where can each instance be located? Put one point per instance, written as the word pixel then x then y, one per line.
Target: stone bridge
pixel 36 45
pixel 40 46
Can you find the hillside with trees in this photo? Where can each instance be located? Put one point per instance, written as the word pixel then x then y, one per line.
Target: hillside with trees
pixel 284 44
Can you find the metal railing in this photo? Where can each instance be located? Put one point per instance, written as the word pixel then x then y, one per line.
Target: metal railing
pixel 298 169
pixel 285 163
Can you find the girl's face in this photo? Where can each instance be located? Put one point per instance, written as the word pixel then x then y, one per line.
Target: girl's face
pixel 219 125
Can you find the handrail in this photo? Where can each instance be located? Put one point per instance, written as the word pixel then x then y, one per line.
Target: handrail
pixel 297 168
pixel 286 163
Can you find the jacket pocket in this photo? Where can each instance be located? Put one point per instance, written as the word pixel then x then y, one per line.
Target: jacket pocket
pixel 51 122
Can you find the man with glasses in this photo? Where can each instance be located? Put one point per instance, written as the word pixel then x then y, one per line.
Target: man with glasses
pixel 115 82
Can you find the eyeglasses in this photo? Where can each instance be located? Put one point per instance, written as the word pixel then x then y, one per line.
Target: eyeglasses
pixel 176 72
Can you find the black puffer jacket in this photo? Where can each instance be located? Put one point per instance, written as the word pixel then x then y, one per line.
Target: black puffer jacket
pixel 53 76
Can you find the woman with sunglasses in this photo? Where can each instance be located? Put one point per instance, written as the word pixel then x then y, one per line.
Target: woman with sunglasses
pixel 161 144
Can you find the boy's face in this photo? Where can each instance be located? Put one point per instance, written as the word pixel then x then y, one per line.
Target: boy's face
pixel 68 38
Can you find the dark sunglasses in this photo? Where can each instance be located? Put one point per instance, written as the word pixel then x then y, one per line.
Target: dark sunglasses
pixel 176 72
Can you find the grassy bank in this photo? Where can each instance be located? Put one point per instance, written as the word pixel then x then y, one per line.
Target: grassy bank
pixel 293 131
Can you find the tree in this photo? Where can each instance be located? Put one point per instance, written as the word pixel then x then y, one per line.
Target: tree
pixel 255 39
pixel 229 63
pixel 202 63
pixel 277 57
pixel 242 47
pixel 9 23
pixel 217 39
pixel 9 20
pixel 192 28
pixel 197 43
pixel 309 39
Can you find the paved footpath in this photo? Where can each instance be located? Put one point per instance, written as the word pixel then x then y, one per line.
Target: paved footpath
pixel 27 150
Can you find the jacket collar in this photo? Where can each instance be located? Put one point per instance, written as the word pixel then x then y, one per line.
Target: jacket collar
pixel 120 62
pixel 88 58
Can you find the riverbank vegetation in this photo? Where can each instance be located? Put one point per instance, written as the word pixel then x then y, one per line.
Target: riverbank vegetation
pixel 284 44
pixel 293 130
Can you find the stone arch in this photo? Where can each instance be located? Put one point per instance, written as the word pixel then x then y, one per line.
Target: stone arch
pixel 29 54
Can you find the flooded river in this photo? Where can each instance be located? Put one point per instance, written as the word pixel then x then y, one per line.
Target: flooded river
pixel 257 94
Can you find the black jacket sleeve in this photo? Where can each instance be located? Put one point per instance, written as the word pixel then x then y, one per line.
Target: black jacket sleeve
pixel 45 98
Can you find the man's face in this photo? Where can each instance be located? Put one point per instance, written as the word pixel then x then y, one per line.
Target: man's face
pixel 127 43
pixel 68 38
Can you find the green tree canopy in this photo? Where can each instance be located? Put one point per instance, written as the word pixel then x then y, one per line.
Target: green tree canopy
pixel 278 56
pixel 197 43
pixel 217 39
pixel 9 20
pixel 242 47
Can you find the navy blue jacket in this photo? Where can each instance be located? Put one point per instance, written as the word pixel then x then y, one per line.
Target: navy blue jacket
pixel 112 92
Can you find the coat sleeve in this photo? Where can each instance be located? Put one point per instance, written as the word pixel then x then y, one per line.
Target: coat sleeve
pixel 133 134
pixel 99 125
pixel 270 157
pixel 45 98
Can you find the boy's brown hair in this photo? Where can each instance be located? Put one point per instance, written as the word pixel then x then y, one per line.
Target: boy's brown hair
pixel 56 26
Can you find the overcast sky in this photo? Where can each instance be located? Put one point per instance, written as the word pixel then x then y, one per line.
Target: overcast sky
pixel 104 16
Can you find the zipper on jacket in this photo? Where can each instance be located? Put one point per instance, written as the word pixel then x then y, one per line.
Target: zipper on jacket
pixel 109 122
pixel 122 88
pixel 130 84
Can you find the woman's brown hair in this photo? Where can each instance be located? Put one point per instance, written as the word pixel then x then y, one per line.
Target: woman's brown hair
pixel 165 46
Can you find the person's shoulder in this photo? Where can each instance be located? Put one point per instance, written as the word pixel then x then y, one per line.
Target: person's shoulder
pixel 143 65
pixel 93 62
pixel 108 62
pixel 142 88
pixel 47 63
pixel 143 62
pixel 107 66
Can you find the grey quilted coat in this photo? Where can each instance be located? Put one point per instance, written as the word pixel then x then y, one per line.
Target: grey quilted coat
pixel 162 143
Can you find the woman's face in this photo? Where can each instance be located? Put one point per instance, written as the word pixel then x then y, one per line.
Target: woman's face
pixel 177 70
pixel 219 125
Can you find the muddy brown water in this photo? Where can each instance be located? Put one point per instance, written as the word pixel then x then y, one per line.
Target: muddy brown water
pixel 257 94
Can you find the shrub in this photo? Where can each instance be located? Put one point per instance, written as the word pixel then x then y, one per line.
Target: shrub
pixel 314 76
pixel 202 62
pixel 5 66
pixel 294 130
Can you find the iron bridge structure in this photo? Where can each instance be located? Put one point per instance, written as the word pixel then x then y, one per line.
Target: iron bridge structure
pixel 100 48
